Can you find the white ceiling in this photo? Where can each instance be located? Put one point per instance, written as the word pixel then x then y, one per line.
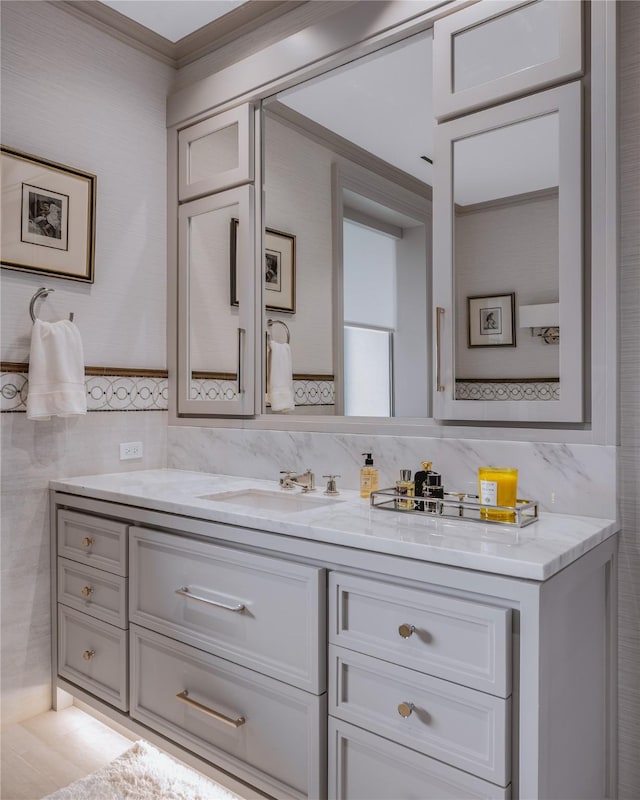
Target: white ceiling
pixel 173 19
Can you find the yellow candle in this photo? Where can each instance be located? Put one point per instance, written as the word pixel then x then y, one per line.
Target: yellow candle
pixel 498 486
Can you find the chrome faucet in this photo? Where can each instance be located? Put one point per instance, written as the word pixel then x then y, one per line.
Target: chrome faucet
pixel 306 481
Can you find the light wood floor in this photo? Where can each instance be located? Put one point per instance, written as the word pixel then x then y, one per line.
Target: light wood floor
pixel 47 752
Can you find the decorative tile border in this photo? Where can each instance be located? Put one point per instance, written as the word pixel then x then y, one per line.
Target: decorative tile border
pixel 104 392
pixel 114 389
pixel 522 389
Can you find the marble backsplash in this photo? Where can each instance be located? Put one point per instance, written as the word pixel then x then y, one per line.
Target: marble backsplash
pixel 563 478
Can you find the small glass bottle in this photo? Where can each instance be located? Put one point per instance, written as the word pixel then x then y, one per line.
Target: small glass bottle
pixel 405 488
pixel 368 477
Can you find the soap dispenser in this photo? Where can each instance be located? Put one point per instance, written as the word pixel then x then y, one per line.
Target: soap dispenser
pixel 368 477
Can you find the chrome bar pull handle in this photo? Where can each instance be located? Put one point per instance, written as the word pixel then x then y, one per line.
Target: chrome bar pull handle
pixel 439 315
pixel 184 592
pixel 210 712
pixel 241 333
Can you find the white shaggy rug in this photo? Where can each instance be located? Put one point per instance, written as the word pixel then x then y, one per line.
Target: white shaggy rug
pixel 143 773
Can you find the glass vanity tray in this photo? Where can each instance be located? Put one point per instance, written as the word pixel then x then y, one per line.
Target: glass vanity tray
pixel 455 505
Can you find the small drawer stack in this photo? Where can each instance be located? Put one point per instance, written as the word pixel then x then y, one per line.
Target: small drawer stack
pixel 92 605
pixel 419 694
pixel 228 658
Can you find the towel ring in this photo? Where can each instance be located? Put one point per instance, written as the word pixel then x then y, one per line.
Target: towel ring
pixel 272 322
pixel 42 292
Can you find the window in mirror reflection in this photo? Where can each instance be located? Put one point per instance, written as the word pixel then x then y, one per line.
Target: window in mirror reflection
pixel 369 269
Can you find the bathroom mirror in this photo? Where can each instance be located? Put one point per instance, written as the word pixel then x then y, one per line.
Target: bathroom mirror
pixel 363 319
pixel 347 171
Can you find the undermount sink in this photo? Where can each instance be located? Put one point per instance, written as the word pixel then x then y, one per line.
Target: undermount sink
pixel 265 500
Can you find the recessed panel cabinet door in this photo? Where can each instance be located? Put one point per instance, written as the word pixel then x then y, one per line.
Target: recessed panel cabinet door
pixel 508 236
pixel 216 304
pixel 216 153
pixel 494 51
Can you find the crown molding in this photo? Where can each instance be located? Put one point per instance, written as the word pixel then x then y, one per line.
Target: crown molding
pixel 220 32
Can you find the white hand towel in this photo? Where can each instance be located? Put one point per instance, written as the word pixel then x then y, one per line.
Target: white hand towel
pixel 56 371
pixel 280 393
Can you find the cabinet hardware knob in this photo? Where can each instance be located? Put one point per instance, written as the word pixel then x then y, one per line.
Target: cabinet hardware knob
pixel 232 722
pixel 88 655
pixel 406 630
pixel 87 541
pixel 87 590
pixel 405 709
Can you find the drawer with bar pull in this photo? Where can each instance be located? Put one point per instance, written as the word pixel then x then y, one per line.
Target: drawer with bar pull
pixel 242 721
pixel 261 612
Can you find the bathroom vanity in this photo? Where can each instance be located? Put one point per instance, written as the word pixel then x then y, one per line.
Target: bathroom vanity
pixel 313 646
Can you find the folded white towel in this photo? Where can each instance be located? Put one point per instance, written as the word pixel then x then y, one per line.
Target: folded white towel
pixel 56 371
pixel 280 389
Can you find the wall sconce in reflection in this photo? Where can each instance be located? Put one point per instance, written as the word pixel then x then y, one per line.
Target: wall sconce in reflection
pixel 544 321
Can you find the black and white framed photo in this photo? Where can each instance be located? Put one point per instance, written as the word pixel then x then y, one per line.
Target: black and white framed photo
pixel 491 320
pixel 279 269
pixel 48 217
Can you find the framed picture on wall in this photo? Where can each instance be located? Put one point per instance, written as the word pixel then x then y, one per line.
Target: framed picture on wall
pixel 48 217
pixel 279 269
pixel 491 320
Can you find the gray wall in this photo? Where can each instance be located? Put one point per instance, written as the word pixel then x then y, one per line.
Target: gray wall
pixel 629 356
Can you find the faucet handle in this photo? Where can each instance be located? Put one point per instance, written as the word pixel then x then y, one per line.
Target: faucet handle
pixel 331 484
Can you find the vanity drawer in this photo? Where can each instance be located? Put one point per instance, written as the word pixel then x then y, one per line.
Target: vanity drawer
pixel 465 728
pixel 93 591
pixel 99 542
pixel 459 640
pixel 93 655
pixel 363 766
pixel 264 613
pixel 274 732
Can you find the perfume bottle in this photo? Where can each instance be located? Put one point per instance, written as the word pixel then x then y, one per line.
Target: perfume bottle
pixel 428 483
pixel 405 489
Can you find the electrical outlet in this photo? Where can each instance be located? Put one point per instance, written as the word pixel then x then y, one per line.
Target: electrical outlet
pixel 130 450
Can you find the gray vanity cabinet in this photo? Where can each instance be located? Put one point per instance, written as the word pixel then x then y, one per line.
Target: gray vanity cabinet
pixel 309 669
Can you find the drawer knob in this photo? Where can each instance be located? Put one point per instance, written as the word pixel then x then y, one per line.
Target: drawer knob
pixel 406 630
pixel 405 709
pixel 88 655
pixel 87 541
pixel 87 591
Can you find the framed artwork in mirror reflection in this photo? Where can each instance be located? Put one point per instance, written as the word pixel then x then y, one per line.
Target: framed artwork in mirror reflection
pixel 491 320
pixel 279 276
pixel 48 217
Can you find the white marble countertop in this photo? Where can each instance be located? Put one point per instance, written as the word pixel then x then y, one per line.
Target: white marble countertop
pixel 536 551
